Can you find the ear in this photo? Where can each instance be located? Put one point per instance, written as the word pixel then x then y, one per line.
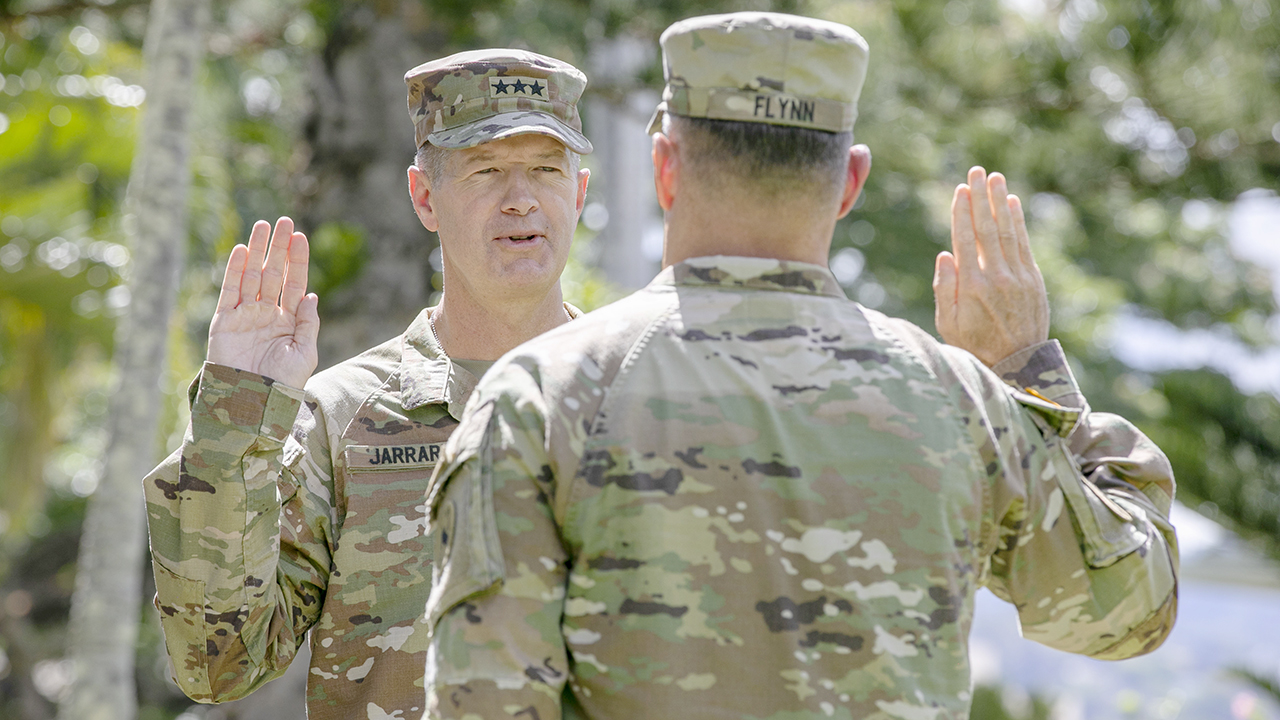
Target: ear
pixel 583 176
pixel 666 170
pixel 420 193
pixel 855 177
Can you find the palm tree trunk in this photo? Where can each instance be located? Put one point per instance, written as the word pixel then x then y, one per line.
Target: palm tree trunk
pixel 105 607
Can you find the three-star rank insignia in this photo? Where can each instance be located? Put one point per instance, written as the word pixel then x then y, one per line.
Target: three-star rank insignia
pixel 517 86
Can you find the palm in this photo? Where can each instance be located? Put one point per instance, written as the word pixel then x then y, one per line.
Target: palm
pixel 266 322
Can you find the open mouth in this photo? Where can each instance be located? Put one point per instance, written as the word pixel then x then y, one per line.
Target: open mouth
pixel 521 239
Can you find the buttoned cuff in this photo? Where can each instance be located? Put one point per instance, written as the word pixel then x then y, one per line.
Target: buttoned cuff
pixel 251 402
pixel 1042 369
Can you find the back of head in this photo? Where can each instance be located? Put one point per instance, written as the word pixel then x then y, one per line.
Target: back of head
pixel 762 101
pixel 758 159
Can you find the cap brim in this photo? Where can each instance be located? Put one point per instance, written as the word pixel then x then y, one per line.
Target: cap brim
pixel 505 125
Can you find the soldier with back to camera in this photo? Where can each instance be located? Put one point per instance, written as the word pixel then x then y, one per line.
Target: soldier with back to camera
pixel 288 511
pixel 737 494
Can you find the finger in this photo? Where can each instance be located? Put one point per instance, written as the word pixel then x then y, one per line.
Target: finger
pixel 295 276
pixel 963 241
pixel 229 296
pixel 251 280
pixel 1029 260
pixel 945 287
pixel 307 329
pixel 1025 256
pixel 998 190
pixel 984 223
pixel 277 257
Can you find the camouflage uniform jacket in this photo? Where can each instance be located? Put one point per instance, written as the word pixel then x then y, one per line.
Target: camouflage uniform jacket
pixel 736 494
pixel 286 511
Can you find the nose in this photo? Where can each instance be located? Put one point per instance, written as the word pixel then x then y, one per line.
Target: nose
pixel 519 198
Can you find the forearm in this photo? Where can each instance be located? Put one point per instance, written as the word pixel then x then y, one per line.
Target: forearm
pixel 214 508
pixel 1114 456
pixel 1091 571
pixel 1120 510
pixel 1093 568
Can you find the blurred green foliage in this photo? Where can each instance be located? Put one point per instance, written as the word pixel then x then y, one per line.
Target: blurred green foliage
pixel 1268 685
pixel 996 703
pixel 1127 127
pixel 337 254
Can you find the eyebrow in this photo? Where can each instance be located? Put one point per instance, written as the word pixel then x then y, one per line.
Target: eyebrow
pixel 553 155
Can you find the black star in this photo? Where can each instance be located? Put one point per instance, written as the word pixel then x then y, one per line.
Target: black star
pixel 520 86
pixel 537 88
pixel 501 88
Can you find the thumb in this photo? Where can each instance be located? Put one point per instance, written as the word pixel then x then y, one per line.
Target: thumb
pixel 945 287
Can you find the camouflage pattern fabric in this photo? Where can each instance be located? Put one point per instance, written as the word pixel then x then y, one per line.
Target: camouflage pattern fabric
pixel 473 97
pixel 763 67
pixel 736 494
pixel 286 512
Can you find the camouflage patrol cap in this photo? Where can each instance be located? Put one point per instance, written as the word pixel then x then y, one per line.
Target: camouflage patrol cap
pixel 473 97
pixel 763 67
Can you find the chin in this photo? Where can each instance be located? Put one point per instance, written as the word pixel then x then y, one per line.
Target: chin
pixel 529 273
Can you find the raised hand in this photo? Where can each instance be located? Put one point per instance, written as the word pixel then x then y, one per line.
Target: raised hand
pixel 266 321
pixel 989 293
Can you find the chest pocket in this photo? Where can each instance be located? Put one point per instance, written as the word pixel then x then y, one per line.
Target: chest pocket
pixel 385 494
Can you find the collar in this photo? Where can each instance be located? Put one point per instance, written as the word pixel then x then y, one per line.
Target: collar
pixel 428 376
pixel 425 371
pixel 754 273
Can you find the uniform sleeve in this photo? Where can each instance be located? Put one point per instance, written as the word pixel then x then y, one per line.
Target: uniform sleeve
pixel 238 536
pixel 1080 501
pixel 499 581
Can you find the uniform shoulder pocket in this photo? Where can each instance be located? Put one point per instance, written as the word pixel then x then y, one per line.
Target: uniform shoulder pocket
pixel 467 554
pixel 287 484
pixel 182 617
pixel 1109 528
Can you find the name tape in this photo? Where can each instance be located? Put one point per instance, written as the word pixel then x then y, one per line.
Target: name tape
pixel 393 457
pixel 768 107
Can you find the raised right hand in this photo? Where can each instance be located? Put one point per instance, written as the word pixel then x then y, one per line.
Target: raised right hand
pixel 266 321
pixel 989 292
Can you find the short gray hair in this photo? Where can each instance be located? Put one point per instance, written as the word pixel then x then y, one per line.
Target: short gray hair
pixel 777 159
pixel 430 160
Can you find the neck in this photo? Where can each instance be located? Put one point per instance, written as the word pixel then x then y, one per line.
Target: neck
pixel 472 330
pixel 795 231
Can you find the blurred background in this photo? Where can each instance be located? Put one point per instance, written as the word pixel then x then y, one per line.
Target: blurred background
pixel 1142 135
